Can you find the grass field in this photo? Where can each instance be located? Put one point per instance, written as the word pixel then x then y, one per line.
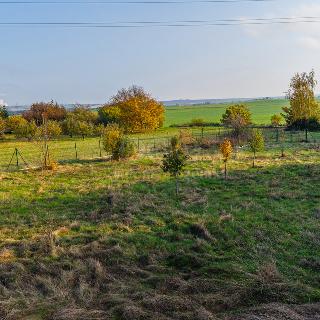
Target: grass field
pixel 97 239
pixel 108 240
pixel 261 110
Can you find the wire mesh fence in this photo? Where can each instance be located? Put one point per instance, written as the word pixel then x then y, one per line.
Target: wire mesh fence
pixel 16 154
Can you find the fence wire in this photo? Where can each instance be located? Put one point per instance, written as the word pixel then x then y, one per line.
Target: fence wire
pixel 16 154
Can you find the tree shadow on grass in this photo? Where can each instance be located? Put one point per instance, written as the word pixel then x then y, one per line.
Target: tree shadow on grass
pixel 85 161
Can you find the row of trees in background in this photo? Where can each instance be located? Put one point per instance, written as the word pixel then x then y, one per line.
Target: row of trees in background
pixel 132 109
pixel 303 113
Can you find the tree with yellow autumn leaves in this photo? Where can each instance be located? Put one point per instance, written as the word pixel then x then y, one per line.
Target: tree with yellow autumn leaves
pixel 226 151
pixel 134 110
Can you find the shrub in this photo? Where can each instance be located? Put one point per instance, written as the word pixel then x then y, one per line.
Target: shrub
pixel 238 117
pixel 124 149
pixel 98 129
pixel 14 122
pixel 186 138
pixel 22 128
pixel 2 126
pixel 256 143
pixel 207 142
pixel 197 122
pixel 51 129
pixel 276 120
pixel 83 128
pixel 110 137
pixel 83 113
pixel 174 161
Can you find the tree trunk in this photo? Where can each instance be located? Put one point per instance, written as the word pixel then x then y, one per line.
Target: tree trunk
pixel 225 170
pixel 306 135
pixel 253 161
pixel 177 186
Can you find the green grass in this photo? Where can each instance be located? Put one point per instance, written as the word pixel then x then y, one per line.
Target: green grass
pixel 261 110
pixel 110 239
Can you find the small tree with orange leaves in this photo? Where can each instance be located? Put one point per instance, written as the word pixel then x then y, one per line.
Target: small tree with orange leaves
pixel 226 150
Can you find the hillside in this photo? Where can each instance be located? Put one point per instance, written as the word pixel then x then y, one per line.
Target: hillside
pixel 261 110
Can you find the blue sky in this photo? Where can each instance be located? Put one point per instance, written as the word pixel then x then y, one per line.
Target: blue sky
pixel 88 65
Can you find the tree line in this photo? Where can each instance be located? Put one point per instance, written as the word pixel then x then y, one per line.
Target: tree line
pixel 133 110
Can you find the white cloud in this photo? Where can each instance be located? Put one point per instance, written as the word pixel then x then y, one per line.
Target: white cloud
pixel 304 34
pixel 309 42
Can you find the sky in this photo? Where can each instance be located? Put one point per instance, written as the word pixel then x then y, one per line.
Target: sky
pixel 89 65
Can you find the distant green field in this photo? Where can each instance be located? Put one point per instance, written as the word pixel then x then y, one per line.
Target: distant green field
pixel 261 110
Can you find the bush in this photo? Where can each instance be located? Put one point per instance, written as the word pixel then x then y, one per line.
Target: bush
pixel 14 122
pixel 22 128
pixel 276 120
pixel 83 128
pixel 186 138
pixel 237 117
pixel 98 129
pixel 124 149
pixel 83 113
pixel 256 143
pixel 111 136
pixel 51 130
pixel 175 160
pixel 197 122
pixel 2 126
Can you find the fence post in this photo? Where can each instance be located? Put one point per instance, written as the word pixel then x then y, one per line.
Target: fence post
pixel 48 156
pixel 75 147
pixel 100 154
pixel 138 144
pixel 17 158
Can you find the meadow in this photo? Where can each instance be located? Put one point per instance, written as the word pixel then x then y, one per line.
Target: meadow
pixel 261 110
pixel 100 239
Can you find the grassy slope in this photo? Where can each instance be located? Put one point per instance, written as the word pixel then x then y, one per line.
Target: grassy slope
pixel 124 247
pixel 261 110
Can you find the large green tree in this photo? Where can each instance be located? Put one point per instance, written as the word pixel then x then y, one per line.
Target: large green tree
pixel 237 117
pixel 303 112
